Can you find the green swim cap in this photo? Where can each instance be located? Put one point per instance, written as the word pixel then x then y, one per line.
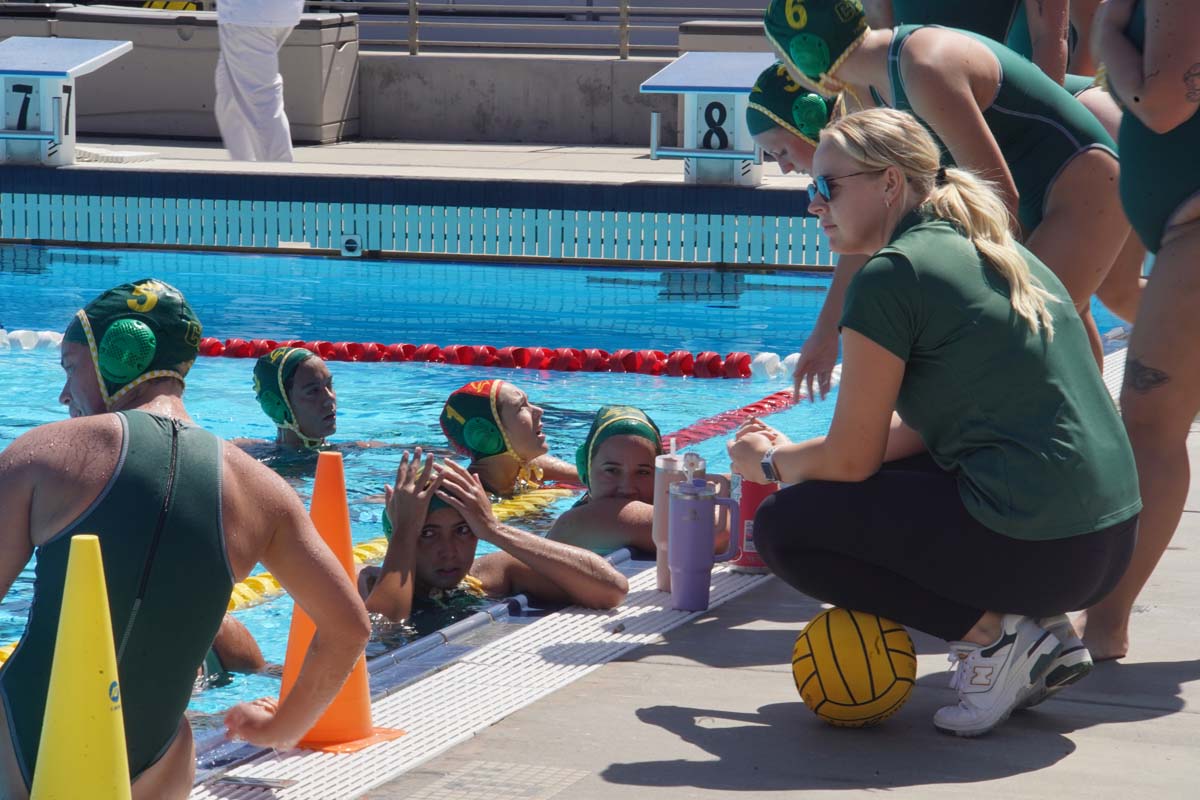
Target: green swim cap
pixel 813 35
pixel 272 373
pixel 136 332
pixel 777 101
pixel 613 421
pixel 471 420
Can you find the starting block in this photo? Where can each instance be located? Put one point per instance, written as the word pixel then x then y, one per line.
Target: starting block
pixel 717 146
pixel 38 80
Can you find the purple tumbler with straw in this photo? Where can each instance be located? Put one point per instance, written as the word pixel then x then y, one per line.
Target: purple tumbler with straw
pixel 692 533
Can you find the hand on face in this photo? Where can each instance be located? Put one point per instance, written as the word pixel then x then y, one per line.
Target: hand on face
pixel 747 450
pixel 415 486
pixel 464 492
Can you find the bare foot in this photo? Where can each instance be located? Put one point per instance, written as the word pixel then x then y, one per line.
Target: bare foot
pixel 1104 642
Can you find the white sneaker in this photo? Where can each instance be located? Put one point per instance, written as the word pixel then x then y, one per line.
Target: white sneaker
pixel 994 679
pixel 1071 665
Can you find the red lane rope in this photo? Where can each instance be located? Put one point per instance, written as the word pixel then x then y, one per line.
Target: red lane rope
pixel 564 359
pixel 727 421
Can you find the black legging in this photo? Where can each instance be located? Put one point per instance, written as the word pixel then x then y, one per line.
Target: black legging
pixel 902 545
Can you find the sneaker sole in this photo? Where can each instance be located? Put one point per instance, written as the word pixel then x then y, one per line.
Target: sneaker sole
pixel 1043 664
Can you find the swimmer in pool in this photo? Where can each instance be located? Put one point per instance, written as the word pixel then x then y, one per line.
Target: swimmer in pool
pixel 494 424
pixel 438 513
pixel 295 389
pixel 616 464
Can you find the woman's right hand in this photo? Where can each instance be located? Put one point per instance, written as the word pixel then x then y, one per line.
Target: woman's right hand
pixel 415 486
pixel 818 356
pixel 756 425
pixel 255 721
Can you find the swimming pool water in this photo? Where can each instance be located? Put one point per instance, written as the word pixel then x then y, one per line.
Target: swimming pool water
pixel 398 404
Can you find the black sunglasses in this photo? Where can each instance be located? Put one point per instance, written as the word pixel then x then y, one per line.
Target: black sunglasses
pixel 821 184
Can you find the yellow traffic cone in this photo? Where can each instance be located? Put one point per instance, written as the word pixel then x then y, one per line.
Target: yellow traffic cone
pixel 346 725
pixel 82 750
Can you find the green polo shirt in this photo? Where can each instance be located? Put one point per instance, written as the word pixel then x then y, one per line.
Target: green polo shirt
pixel 1025 424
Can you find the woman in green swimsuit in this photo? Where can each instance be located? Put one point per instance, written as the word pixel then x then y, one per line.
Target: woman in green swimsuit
pixel 993 112
pixel 1039 32
pixel 1154 69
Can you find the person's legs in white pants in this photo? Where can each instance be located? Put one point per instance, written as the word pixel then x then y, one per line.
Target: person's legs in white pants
pixel 249 106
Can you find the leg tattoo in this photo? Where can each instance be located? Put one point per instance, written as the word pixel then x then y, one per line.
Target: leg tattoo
pixel 1142 378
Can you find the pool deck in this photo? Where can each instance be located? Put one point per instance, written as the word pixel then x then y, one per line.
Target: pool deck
pixel 710 711
pixel 541 162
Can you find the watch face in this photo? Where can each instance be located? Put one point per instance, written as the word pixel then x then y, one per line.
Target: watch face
pixel 768 468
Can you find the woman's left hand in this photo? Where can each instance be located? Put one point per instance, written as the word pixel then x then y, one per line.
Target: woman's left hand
pixel 464 492
pixel 747 451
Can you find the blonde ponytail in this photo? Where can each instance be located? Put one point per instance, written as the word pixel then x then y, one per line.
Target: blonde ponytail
pixel 881 137
pixel 976 208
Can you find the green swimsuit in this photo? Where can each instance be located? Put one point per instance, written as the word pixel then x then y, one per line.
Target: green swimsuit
pixel 990 18
pixel 1158 172
pixel 1038 126
pixel 998 20
pixel 159 523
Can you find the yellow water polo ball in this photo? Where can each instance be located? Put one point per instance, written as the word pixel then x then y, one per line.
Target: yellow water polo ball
pixel 853 669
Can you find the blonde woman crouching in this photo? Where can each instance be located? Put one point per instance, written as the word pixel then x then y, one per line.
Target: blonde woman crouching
pixel 976 482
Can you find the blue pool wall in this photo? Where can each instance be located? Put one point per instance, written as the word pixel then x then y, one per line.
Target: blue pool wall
pixel 529 220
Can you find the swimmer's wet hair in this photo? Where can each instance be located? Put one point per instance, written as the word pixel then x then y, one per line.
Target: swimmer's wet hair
pixel 883 137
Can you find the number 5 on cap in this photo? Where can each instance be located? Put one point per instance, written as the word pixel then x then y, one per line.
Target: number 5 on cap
pixel 149 298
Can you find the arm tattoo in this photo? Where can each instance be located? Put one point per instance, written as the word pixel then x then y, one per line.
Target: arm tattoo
pixel 1191 79
pixel 1142 378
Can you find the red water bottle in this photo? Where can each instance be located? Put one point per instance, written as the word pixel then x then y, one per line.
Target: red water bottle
pixel 749 496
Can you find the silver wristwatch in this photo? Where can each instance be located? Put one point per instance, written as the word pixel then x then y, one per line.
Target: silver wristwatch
pixel 768 466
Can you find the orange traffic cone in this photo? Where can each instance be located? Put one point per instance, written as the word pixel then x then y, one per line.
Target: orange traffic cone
pixel 346 725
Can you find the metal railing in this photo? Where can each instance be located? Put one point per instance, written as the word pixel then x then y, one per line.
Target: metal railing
pixel 619 28
pixel 556 26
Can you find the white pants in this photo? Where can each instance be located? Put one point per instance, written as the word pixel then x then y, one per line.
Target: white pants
pixel 249 107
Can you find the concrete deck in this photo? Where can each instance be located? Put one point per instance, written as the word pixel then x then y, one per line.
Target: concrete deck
pixel 530 162
pixel 710 711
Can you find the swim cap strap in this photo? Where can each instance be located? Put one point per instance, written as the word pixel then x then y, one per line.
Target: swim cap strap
pixel 290 423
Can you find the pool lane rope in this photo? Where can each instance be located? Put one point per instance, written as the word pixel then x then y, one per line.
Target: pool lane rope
pixel 677 364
